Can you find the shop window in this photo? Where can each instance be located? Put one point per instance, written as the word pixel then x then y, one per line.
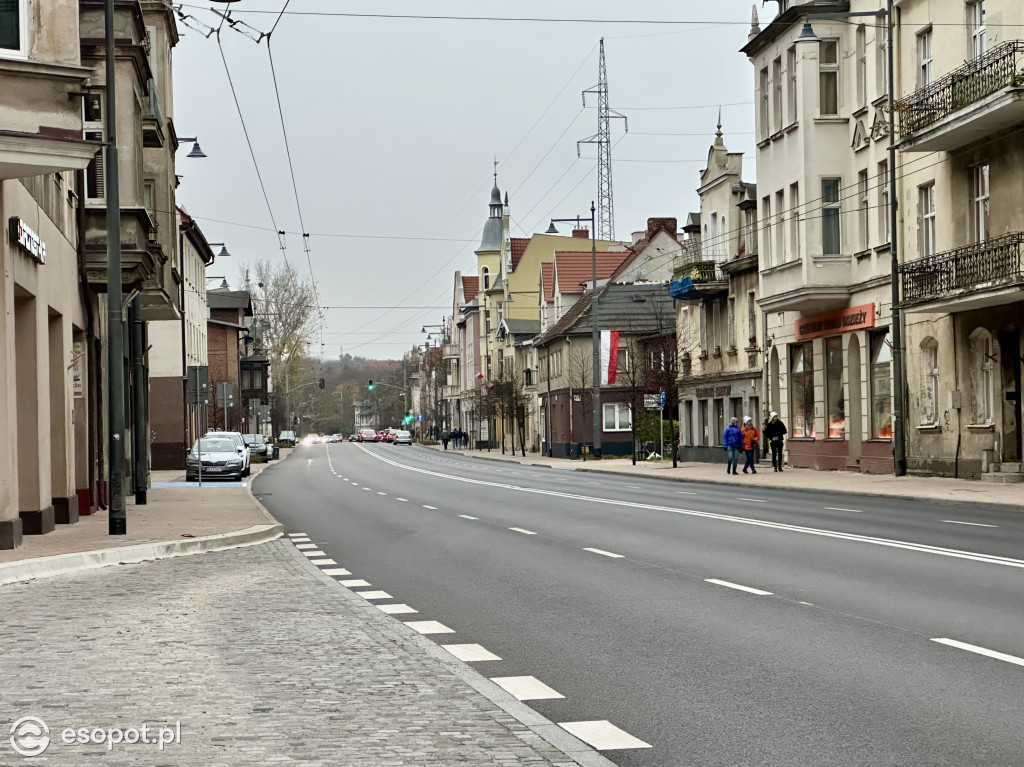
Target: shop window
pixel 801 389
pixel 616 416
pixel 929 382
pixel 834 388
pixel 981 361
pixel 881 385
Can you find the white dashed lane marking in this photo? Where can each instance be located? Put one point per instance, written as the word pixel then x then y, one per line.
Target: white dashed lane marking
pixel 429 627
pixel 322 562
pixel 337 571
pixel 603 735
pixel 432 508
pixel 354 584
pixel 312 554
pixel 381 492
pixel 466 516
pixel 304 546
pixel 972 524
pixel 297 535
pixel 396 609
pixel 374 595
pixel 738 587
pixel 470 653
pixel 521 530
pixel 605 553
pixel 526 688
pixel 752 500
pixel 403 500
pixel 840 508
pixel 981 651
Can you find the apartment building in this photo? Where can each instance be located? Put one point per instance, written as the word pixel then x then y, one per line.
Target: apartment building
pixel 824 255
pixel 960 117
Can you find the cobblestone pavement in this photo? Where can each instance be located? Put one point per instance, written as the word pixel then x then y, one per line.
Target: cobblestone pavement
pixel 260 658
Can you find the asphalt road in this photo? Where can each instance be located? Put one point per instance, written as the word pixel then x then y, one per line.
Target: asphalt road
pixel 826 655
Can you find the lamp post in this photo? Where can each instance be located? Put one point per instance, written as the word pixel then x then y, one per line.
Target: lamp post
pixel 898 437
pixel 595 333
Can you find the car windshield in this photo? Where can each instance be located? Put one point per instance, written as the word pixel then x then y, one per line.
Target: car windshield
pixel 254 439
pixel 215 446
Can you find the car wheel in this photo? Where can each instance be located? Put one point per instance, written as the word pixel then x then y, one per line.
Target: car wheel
pixel 191 477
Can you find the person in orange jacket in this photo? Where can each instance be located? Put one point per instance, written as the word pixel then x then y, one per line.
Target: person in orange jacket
pixel 750 437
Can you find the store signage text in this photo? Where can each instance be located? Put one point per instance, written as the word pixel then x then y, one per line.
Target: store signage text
pixel 705 392
pixel 27 239
pixel 853 318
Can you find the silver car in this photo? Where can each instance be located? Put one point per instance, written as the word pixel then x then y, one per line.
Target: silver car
pixel 240 446
pixel 403 438
pixel 219 458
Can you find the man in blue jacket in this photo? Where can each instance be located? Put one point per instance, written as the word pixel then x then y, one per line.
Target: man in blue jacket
pixel 732 440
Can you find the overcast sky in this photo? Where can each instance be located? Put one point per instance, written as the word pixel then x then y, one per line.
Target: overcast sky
pixel 394 125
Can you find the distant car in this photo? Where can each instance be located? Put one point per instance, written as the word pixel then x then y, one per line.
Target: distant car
pixel 367 435
pixel 287 438
pixel 257 444
pixel 353 437
pixel 403 438
pixel 241 448
pixel 219 458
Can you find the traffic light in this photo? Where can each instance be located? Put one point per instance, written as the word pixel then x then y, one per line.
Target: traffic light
pixel 369 384
pixel 321 383
pixel 408 418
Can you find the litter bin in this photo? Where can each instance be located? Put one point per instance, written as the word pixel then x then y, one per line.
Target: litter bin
pixel 277 453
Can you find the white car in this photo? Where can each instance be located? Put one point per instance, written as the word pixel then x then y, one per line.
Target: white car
pixel 219 458
pixel 240 446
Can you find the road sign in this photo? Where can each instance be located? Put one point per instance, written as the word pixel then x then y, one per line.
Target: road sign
pixel 198 388
pixel 651 402
pixel 226 394
pixel 661 397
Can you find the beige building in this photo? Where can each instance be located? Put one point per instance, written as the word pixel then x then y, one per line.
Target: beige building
pixel 961 191
pixel 823 232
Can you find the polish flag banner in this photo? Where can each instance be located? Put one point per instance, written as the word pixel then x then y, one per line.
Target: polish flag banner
pixel 609 355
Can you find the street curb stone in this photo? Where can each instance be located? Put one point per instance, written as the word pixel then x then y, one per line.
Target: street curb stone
pixel 575 749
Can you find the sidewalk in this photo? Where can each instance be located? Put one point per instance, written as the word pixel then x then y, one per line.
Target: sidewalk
pixel 932 489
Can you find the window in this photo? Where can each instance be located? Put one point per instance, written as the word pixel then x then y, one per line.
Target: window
pixel 881 385
pixel 766 216
pixel 926 214
pixel 13 28
pixel 751 318
pixel 801 388
pixel 93 130
pixel 830 241
pixel 981 361
pixel 486 278
pixel 622 361
pixel 834 388
pixel 883 199
pixel 616 416
pixel 777 94
pixel 979 209
pixel 976 28
pixel 730 328
pixel 750 230
pixel 864 212
pixel 929 382
pixel 763 102
pixel 791 95
pixel 881 59
pixel 703 326
pixel 828 78
pixel 780 226
pixel 862 66
pixel 794 220
pixel 924 58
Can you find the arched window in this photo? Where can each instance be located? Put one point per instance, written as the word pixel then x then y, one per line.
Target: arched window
pixel 485 278
pixel 981 367
pixel 929 382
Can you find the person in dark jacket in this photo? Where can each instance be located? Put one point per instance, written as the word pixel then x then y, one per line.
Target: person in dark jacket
pixel 775 433
pixel 732 441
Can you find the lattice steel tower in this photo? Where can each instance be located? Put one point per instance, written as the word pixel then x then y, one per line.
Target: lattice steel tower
pixel 603 139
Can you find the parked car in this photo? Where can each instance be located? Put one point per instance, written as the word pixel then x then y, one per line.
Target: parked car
pixel 367 435
pixel 287 438
pixel 219 458
pixel 257 444
pixel 241 448
pixel 403 438
pixel 353 437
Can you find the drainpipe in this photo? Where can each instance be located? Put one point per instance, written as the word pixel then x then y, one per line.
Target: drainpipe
pixel 140 427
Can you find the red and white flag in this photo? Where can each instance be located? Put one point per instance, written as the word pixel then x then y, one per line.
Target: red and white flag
pixel 609 355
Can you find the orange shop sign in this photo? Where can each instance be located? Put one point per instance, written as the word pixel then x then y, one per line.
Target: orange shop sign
pixel 853 318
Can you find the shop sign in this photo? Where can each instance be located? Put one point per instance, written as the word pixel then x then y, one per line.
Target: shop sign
pixel 707 392
pixel 852 318
pixel 78 370
pixel 28 240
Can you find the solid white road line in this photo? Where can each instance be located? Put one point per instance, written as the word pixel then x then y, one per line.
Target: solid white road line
pixel 737 586
pixel 603 735
pixel 466 516
pixel 526 688
pixel 470 653
pixel 353 584
pixel 972 524
pixel 337 571
pixel 752 500
pixel 982 651
pixel 602 552
pixel 432 508
pixel 521 530
pixel 429 627
pixel 840 508
pixel 396 609
pixel 322 562
pixel 374 595
pixel 305 546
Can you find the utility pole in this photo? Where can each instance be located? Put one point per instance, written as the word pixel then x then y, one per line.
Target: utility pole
pixel 603 139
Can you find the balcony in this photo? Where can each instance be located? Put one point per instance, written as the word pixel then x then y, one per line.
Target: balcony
pixel 970 103
pixel 142 263
pixel 450 351
pixel 989 273
pixel 697 276
pixel 449 391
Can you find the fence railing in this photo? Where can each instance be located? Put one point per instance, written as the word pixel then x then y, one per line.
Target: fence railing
pixel 999 68
pixel 699 267
pixel 992 263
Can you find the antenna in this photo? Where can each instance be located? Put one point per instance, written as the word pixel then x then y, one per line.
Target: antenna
pixel 603 139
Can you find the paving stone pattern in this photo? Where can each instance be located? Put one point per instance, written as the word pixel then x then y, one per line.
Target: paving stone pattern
pixel 263 662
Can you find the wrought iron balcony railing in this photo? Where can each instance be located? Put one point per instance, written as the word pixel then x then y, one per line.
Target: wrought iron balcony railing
pixel 699 267
pixel 999 68
pixel 993 263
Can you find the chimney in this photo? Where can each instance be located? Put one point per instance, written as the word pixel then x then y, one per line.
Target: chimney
pixel 581 233
pixel 656 224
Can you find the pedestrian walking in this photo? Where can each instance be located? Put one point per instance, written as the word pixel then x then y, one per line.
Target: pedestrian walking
pixel 732 440
pixel 750 437
pixel 775 433
pixel 444 439
pixel 459 438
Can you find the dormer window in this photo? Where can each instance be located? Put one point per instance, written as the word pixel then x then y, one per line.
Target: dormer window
pixel 485 277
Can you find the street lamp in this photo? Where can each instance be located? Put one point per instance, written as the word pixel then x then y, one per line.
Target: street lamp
pixel 898 439
pixel 196 151
pixel 223 249
pixel 596 337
